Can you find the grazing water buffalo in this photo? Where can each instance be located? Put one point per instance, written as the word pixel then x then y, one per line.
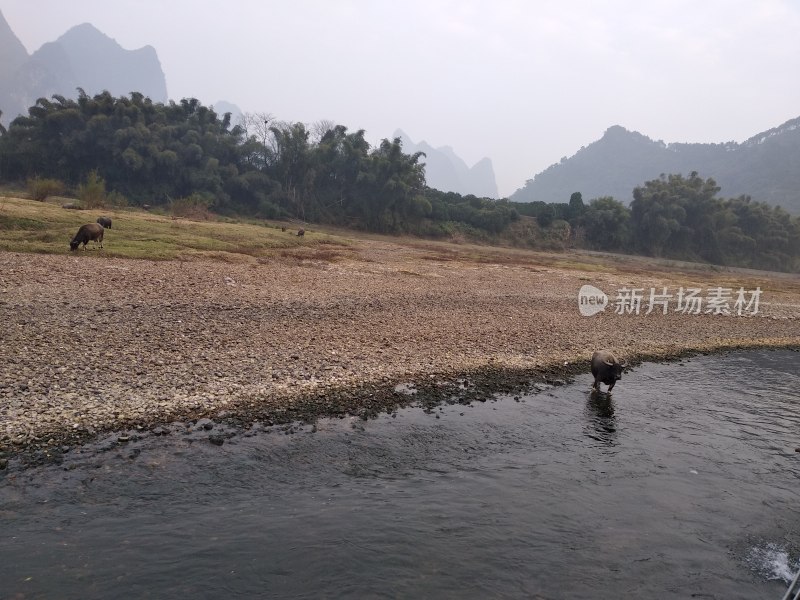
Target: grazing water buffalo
pixel 105 222
pixel 606 369
pixel 91 232
pixel 301 232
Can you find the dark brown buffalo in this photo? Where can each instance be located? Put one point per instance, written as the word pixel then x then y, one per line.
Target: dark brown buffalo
pixel 91 232
pixel 606 369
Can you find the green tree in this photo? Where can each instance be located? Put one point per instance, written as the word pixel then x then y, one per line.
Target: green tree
pixel 289 165
pixel 576 208
pixel 546 215
pixel 606 224
pixel 667 213
pixel 92 194
pixel 390 186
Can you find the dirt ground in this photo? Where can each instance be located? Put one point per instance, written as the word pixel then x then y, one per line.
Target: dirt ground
pixel 91 343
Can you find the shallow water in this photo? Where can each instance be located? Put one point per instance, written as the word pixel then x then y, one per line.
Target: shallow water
pixel 684 484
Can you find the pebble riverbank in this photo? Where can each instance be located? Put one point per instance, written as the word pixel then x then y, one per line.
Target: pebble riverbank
pixel 92 344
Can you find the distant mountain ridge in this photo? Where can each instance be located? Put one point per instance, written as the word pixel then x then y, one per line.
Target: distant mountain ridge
pixel 765 167
pixel 12 51
pixel 447 172
pixel 82 58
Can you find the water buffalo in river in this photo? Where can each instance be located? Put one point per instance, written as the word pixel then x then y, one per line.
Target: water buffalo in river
pixel 91 232
pixel 606 369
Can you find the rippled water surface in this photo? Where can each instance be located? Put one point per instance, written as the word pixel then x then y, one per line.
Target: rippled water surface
pixel 684 484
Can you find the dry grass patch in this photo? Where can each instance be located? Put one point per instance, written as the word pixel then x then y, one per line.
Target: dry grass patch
pixel 45 227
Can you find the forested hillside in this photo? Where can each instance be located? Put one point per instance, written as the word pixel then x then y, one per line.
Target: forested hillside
pixel 766 167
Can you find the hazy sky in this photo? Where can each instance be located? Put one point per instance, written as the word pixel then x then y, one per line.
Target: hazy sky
pixel 522 82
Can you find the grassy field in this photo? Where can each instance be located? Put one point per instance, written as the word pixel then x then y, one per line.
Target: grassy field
pixel 45 227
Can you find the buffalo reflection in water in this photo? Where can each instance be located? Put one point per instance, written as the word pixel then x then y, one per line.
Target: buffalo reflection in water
pixel 601 424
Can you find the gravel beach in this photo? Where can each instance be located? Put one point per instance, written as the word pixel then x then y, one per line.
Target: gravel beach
pixel 93 344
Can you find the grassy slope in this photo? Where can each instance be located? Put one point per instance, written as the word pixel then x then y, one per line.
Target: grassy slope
pixel 45 227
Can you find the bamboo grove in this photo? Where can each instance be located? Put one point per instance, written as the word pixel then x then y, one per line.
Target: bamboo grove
pixel 153 153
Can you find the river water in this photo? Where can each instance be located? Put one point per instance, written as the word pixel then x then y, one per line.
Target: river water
pixel 685 483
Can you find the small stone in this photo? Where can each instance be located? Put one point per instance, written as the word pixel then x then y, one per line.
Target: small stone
pixel 216 439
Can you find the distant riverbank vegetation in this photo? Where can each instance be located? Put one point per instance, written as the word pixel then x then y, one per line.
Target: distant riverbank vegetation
pixel 183 157
pixel 679 218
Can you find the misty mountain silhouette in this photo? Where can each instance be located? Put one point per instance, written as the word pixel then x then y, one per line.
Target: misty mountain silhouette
pixel 766 167
pixel 223 106
pixel 11 49
pixel 83 58
pixel 447 172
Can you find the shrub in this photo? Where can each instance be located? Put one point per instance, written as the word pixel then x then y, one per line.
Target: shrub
pixel 92 194
pixel 267 210
pixel 116 199
pixel 39 189
pixel 195 207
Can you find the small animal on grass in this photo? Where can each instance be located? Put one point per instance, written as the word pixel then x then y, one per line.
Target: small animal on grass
pixel 91 232
pixel 606 369
pixel 105 222
pixel 283 228
pixel 301 232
